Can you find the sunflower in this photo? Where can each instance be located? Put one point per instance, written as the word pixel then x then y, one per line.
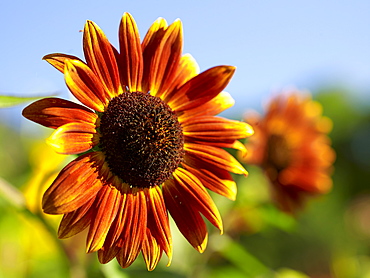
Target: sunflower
pixel 292 147
pixel 147 139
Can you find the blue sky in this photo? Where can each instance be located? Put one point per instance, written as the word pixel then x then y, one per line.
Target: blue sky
pixel 273 44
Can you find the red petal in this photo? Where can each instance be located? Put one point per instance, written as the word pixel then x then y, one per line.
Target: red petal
pixel 164 64
pixel 135 228
pixel 75 185
pixel 218 104
pixel 197 196
pixel 218 180
pixel 187 69
pixel 188 220
pixel 55 112
pixel 151 250
pixel 149 45
pixel 216 156
pixel 76 221
pixel 100 58
pixel 210 128
pixel 85 86
pixel 158 220
pixel 73 138
pixel 201 88
pixel 58 60
pixel 105 211
pixel 131 57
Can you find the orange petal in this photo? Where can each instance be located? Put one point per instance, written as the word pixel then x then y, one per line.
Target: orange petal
pixel 76 221
pixel 110 247
pixel 164 64
pixel 135 228
pixel 215 156
pixel 188 220
pixel 118 224
pixel 218 104
pixel 201 88
pixel 106 254
pixel 75 185
pixel 58 60
pixel 55 112
pixel 73 138
pixel 151 250
pixel 210 128
pixel 105 211
pixel 85 86
pixel 155 33
pixel 219 180
pixel 149 46
pixel 131 61
pixel 100 58
pixel 158 220
pixel 197 196
pixel 187 69
pixel 232 144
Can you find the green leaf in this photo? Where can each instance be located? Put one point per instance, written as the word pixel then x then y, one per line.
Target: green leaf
pixel 241 258
pixel 9 101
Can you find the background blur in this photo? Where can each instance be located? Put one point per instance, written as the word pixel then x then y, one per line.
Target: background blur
pixel 321 47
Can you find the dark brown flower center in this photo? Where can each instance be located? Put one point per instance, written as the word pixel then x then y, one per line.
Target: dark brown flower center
pixel 278 152
pixel 141 138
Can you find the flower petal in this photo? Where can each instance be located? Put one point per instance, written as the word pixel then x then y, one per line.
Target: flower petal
pixel 85 86
pixel 202 88
pixel 76 221
pixel 232 144
pixel 106 254
pixel 187 69
pixel 192 189
pixel 151 250
pixel 158 220
pixel 149 46
pixel 57 60
pixel 135 228
pixel 217 180
pixel 189 221
pixel 73 138
pixel 105 211
pixel 164 64
pixel 75 185
pixel 218 104
pixel 215 156
pixel 210 128
pixel 55 112
pixel 131 57
pixel 100 58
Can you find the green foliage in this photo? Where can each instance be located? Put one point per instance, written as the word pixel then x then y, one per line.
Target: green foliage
pixel 9 101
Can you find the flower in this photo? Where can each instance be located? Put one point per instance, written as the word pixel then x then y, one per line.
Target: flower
pixel 148 142
pixel 291 145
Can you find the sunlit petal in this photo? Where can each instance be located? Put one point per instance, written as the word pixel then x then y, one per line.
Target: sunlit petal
pixel 58 60
pixel 55 112
pixel 75 185
pixel 106 208
pixel 85 86
pixel 188 220
pixel 73 138
pixel 215 156
pixel 131 57
pixel 201 88
pixel 100 58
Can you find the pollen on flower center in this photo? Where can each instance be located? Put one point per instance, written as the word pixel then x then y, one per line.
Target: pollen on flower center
pixel 142 139
pixel 278 152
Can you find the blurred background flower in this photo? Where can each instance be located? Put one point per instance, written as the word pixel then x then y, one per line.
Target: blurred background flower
pixel 290 144
pixel 314 45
